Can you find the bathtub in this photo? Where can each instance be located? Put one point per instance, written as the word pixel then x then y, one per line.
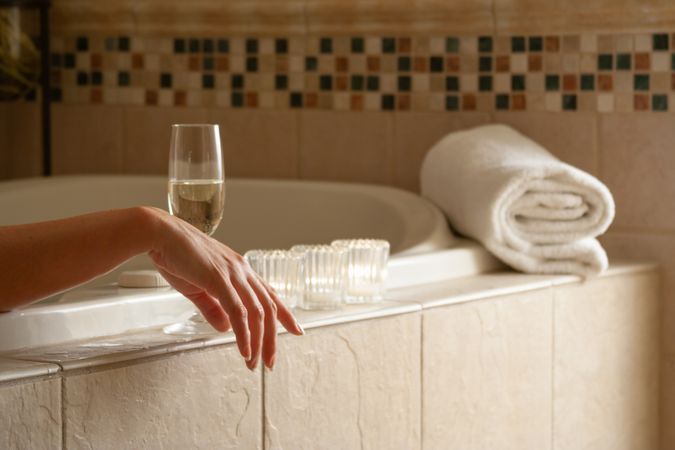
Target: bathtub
pixel 258 214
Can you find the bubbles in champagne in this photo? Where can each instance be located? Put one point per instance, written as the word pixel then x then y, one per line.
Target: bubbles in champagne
pixel 198 202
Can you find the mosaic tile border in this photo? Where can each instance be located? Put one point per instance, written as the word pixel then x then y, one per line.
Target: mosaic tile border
pixel 585 72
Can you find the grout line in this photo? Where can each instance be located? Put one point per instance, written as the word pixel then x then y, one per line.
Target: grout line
pixel 63 413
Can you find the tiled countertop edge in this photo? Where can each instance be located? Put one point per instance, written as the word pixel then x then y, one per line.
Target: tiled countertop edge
pixel 33 363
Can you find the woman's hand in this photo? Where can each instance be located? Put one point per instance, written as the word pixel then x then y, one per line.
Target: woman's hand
pixel 222 285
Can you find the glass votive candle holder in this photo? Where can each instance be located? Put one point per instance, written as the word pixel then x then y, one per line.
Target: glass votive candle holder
pixel 282 269
pixel 323 272
pixel 366 269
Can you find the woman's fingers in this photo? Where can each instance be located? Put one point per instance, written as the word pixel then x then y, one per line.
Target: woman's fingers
pixel 270 335
pixel 237 313
pixel 256 319
pixel 284 314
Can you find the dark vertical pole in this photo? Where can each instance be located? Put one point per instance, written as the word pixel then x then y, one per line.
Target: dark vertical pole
pixel 46 91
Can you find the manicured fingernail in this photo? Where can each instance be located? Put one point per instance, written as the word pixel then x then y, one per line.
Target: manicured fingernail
pixel 300 329
pixel 271 366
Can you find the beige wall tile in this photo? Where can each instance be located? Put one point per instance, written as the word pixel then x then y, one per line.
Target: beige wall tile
pixel 570 137
pixel 25 140
pixel 87 139
pixel 668 402
pixel 261 144
pixel 147 133
pixel 202 399
pixel 416 133
pixel 31 415
pixel 487 374
pixel 4 141
pixel 638 165
pixel 352 386
pixel 346 146
pixel 399 16
pixel 532 16
pixel 606 367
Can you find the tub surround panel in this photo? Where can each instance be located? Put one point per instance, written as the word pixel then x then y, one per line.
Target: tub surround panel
pixel 353 386
pixel 259 143
pixel 31 415
pixel 206 399
pixel 5 150
pixel 607 358
pixel 415 133
pixel 346 147
pixel 498 351
pixel 14 369
pixel 147 135
pixel 87 139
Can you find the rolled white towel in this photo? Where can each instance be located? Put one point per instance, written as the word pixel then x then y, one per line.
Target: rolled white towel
pixel 533 211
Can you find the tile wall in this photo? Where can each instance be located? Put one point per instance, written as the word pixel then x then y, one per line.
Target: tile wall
pixel 358 91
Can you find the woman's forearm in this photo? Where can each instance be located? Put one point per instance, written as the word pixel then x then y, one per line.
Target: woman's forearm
pixel 40 259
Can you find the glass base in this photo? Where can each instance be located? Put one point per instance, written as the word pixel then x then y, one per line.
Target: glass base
pixel 320 306
pixel 196 325
pixel 363 299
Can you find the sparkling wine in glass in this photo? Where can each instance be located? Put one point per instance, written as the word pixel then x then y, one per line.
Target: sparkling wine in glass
pixel 196 190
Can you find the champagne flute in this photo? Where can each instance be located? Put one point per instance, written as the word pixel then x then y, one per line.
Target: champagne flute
pixel 196 190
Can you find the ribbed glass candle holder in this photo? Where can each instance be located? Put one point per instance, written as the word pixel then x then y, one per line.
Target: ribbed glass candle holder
pixel 282 269
pixel 366 269
pixel 323 270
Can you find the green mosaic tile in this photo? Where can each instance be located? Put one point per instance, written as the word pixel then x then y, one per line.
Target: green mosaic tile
pixel 485 64
pixel 281 82
pixel 208 82
pixel 123 43
pixel 672 62
pixel 435 64
pixel 207 63
pixel 502 101
pixel 326 82
pixel 82 78
pixel 179 46
pixel 237 81
pixel 56 60
pixel 296 100
pixel 641 82
pixel 623 61
pixel 404 64
pixel 388 45
pixel 194 45
pixel 452 83
pixel 659 102
pixel 535 43
pixel 165 80
pixel 223 46
pixel 452 103
pixel 123 78
pixel 357 82
pixel 357 45
pixel 605 61
pixel 517 44
pixel 552 82
pixel 660 41
pixel 110 44
pixel 69 61
pixel 326 45
pixel 57 94
pixel 484 44
pixel 452 45
pixel 82 44
pixel 237 99
pixel 96 78
pixel 404 83
pixel 281 46
pixel 251 64
pixel 373 83
pixel 485 83
pixel 207 45
pixel 569 102
pixel 311 63
pixel 587 82
pixel 251 45
pixel 517 82
pixel 388 102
